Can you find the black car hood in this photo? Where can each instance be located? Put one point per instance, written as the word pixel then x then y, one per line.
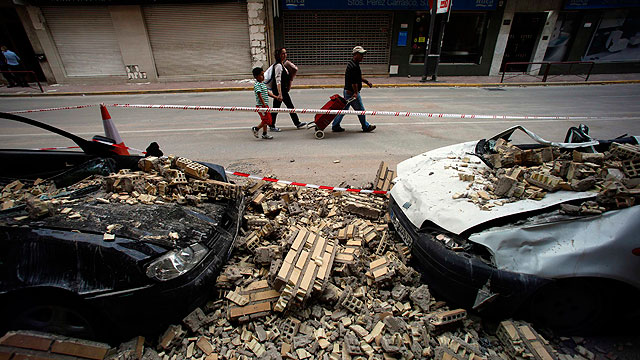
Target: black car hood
pixel 168 225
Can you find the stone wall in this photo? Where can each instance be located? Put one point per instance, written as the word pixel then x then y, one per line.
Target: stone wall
pixel 257 32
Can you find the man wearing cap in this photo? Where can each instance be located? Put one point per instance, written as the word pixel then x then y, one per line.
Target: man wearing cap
pixel 352 85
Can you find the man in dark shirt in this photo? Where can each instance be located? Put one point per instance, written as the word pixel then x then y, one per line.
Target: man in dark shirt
pixel 352 85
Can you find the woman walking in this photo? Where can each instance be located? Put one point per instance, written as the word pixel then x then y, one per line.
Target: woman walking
pixel 283 73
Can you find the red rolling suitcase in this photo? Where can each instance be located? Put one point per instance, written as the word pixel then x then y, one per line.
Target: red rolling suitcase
pixel 321 121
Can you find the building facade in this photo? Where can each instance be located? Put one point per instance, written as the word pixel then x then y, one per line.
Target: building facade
pixel 105 41
pixel 116 41
pixel 479 37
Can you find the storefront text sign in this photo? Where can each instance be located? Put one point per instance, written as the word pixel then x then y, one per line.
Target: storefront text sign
pixel 355 4
pixel 601 4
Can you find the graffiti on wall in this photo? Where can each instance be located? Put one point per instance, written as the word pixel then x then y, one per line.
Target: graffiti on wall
pixel 134 73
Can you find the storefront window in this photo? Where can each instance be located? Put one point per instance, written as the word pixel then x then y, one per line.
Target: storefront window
pixel 561 38
pixel 464 38
pixel 617 37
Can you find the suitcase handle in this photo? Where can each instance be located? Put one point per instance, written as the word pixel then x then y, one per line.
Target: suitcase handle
pixel 336 96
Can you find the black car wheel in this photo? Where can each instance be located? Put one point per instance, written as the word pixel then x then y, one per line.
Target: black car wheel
pixel 64 317
pixel 573 306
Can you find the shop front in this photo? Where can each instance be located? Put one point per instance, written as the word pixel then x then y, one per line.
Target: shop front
pixel 606 32
pixel 320 34
pixel 612 28
pixel 468 34
pixel 144 40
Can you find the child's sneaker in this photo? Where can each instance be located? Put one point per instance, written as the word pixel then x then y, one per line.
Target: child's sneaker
pixel 267 136
pixel 255 131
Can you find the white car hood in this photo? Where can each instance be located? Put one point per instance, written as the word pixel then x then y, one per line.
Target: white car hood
pixel 424 190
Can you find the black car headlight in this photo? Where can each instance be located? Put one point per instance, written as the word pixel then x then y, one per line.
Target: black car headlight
pixel 176 262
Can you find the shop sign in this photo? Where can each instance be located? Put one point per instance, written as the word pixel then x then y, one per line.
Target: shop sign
pixel 355 4
pixel 441 5
pixel 474 4
pixel 600 4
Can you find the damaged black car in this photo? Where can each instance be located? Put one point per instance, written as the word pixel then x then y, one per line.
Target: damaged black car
pixel 98 245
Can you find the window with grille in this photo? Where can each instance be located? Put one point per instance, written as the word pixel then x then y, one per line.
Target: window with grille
pixel 323 38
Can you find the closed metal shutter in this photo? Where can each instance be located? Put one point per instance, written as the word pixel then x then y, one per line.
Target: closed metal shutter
pixel 85 39
pixel 321 42
pixel 199 39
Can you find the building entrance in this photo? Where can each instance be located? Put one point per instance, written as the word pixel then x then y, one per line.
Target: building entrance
pixel 523 37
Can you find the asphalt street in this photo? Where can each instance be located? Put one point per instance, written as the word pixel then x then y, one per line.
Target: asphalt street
pixel 225 137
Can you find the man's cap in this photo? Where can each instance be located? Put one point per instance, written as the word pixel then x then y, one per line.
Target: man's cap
pixel 359 49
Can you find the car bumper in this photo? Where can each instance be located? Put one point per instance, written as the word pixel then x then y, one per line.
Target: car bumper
pixel 461 278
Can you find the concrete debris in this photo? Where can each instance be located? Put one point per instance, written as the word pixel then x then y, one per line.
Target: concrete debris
pixel 384 178
pixel 421 297
pixel 518 174
pixel 521 341
pixel 316 275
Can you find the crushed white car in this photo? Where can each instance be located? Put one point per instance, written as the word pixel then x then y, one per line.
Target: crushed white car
pixel 545 230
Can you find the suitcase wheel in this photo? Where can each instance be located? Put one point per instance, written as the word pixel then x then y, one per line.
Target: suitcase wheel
pixel 319 134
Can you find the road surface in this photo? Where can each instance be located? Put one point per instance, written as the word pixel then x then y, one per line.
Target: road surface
pixel 225 137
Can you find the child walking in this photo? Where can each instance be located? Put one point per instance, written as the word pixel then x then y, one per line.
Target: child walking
pixel 262 100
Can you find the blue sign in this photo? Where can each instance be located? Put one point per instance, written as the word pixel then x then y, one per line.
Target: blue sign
pixel 474 4
pixel 600 4
pixel 402 38
pixel 355 4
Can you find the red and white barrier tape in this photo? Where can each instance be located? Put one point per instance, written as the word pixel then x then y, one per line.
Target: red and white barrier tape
pixel 52 109
pixel 347 112
pixel 316 111
pixel 321 187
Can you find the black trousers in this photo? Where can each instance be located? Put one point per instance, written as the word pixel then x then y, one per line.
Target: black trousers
pixel 11 79
pixel 286 99
pixel 17 78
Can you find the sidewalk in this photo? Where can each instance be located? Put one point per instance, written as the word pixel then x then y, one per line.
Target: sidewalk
pixel 311 82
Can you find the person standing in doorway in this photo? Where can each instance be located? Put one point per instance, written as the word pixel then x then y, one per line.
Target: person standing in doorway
pixel 352 85
pixel 4 67
pixel 283 77
pixel 13 61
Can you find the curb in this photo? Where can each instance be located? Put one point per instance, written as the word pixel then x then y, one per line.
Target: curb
pixel 325 86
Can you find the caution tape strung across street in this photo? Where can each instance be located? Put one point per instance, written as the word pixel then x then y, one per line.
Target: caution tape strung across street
pixel 52 109
pixel 321 187
pixel 347 112
pixel 315 111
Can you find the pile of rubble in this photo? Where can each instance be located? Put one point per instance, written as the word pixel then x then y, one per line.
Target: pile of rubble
pixel 530 174
pixel 161 181
pixel 315 275
pixel 319 275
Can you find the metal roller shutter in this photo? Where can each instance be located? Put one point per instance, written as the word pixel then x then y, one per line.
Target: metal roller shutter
pixel 199 39
pixel 321 42
pixel 85 39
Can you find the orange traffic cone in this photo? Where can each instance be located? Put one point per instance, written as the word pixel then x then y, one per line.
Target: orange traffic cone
pixel 111 132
